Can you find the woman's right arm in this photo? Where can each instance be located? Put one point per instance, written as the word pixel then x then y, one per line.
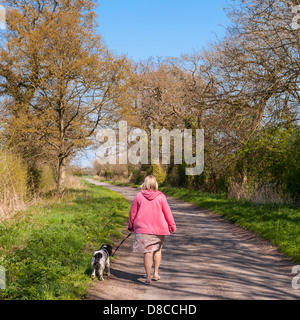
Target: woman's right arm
pixel 132 214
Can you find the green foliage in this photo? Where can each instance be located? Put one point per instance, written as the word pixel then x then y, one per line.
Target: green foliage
pixel 272 156
pixel 158 172
pixel 138 176
pixel 47 250
pixel 109 174
pixel 47 182
pixel 34 179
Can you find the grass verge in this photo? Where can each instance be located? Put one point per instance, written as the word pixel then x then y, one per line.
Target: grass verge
pixel 46 250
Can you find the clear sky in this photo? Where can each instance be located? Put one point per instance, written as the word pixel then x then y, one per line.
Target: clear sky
pixel 159 28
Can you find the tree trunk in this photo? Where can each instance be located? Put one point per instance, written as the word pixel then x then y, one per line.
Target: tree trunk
pixel 61 175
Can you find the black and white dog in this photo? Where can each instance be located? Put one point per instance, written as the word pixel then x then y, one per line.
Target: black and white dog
pixel 100 260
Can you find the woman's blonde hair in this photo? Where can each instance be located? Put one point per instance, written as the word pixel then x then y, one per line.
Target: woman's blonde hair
pixel 150 183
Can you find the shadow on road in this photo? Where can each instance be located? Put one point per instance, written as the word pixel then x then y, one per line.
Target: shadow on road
pixel 126 275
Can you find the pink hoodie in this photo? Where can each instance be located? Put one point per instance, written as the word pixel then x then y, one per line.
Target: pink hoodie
pixel 150 213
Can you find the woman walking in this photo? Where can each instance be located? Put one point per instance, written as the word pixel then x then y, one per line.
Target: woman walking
pixel 151 220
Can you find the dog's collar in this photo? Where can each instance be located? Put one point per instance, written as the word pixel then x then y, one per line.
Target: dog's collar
pixel 106 251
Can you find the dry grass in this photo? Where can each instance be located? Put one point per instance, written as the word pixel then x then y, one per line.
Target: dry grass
pixel 115 178
pixel 73 182
pixel 267 193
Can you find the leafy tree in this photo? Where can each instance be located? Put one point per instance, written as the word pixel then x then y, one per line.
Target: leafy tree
pixel 58 79
pixel 272 156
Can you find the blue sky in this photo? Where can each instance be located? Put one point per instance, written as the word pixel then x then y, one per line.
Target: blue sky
pixel 156 28
pixel 2 17
pixel 143 28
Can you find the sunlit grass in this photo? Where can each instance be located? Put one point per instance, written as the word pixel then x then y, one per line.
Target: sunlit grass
pixel 46 250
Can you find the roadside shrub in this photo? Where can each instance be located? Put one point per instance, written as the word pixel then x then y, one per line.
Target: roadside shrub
pixel 109 174
pixel 269 163
pixel 47 182
pixel 158 172
pixel 13 182
pixel 136 175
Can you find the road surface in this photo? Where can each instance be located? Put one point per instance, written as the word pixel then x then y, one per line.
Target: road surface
pixel 207 259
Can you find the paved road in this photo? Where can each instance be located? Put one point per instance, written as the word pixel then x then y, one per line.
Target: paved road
pixel 206 259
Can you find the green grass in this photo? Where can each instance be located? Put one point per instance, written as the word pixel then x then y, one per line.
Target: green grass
pixel 46 250
pixel 279 224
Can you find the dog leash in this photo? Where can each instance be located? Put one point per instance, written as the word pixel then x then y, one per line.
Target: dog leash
pixel 121 243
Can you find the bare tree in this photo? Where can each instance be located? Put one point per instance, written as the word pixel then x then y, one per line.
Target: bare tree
pixel 258 61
